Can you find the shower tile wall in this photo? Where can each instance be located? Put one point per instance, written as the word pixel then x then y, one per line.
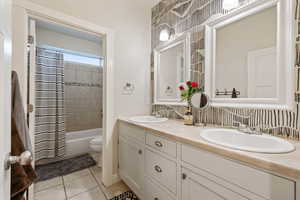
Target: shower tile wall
pixel 83 96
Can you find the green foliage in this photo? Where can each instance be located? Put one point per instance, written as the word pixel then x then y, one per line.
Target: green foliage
pixel 189 92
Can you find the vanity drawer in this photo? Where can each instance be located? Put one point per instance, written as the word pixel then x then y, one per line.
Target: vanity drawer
pixel 127 130
pixel 161 169
pixel 166 146
pixel 154 192
pixel 259 182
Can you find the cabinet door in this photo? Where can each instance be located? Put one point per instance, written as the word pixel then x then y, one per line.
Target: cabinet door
pixel 131 165
pixel 197 187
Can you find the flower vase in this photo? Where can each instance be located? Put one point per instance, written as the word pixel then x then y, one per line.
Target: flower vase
pixel 188 115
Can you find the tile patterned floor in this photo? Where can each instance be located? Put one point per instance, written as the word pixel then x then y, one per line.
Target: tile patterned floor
pixel 82 185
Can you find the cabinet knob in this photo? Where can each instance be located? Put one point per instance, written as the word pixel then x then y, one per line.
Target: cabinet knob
pixel 158 144
pixel 183 176
pixel 140 151
pixel 157 168
pixel 156 198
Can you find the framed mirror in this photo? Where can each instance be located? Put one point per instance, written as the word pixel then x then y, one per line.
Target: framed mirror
pixel 171 69
pixel 249 57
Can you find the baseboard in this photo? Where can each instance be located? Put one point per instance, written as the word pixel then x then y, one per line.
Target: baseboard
pixel 115 178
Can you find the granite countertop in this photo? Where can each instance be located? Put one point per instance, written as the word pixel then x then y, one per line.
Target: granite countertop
pixel 287 164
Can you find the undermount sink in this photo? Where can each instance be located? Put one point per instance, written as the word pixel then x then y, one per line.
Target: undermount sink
pixel 246 142
pixel 147 119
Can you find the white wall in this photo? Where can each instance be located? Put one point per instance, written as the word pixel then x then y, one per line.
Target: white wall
pixel 131 21
pixel 235 41
pixel 60 40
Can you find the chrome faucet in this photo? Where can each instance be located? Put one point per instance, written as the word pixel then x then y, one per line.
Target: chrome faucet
pixel 159 113
pixel 245 128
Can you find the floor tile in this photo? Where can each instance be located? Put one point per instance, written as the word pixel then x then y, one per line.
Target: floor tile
pixel 80 185
pixel 97 172
pixel 42 185
pixel 93 194
pixel 111 191
pixel 57 193
pixel 76 175
pixel 117 188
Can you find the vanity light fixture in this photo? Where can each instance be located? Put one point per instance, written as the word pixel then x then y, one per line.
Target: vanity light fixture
pixel 164 35
pixel 230 4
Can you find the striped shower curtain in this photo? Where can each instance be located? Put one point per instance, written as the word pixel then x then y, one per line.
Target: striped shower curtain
pixel 49 114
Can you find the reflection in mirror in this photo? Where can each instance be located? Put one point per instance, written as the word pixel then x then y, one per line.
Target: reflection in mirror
pixel 171 70
pixel 246 57
pixel 200 100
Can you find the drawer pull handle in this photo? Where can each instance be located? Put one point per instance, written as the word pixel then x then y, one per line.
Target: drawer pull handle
pixel 158 144
pixel 156 198
pixel 140 151
pixel 157 168
pixel 183 176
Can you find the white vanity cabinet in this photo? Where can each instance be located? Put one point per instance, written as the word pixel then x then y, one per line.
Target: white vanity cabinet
pixel 158 168
pixel 242 179
pixel 197 187
pixel 131 158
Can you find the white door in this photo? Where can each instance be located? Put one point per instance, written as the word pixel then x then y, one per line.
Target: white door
pixel 197 187
pixel 262 73
pixel 5 93
pixel 131 165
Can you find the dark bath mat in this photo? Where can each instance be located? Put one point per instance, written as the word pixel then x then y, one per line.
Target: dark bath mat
pixel 64 167
pixel 129 195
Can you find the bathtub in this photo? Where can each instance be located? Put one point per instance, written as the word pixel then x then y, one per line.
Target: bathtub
pixel 77 142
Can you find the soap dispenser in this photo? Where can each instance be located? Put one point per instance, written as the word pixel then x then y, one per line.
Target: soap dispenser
pixel 234 94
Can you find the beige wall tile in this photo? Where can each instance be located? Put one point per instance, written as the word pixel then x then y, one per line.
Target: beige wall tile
pixel 83 104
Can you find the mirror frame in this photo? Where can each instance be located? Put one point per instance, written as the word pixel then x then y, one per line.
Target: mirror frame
pixel 284 47
pixel 185 39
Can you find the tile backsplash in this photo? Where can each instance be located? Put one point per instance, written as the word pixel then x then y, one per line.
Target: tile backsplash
pixel 83 96
pixel 190 16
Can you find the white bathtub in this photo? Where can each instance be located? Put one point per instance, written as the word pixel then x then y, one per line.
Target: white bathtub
pixel 77 142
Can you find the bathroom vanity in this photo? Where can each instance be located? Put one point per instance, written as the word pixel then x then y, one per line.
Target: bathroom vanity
pixel 248 76
pixel 170 161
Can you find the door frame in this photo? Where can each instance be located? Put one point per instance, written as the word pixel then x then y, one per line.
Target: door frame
pixel 27 10
pixel 5 96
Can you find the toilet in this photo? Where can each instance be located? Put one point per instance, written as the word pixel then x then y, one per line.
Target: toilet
pixel 96 147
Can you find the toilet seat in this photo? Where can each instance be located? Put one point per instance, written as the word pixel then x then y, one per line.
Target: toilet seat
pixel 96 144
pixel 96 141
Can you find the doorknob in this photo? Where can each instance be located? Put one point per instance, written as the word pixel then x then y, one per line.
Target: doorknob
pixel 24 159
